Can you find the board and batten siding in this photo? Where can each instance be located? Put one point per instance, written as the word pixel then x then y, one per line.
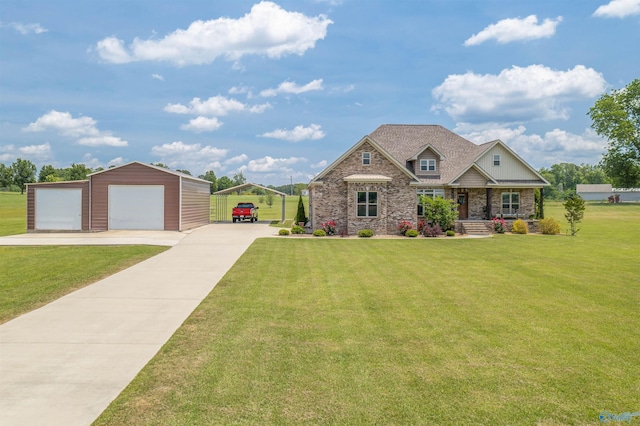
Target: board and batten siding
pixel 472 179
pixel 196 202
pixel 31 200
pixel 134 174
pixel 510 168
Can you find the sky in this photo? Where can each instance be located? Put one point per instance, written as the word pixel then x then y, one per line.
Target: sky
pixel 280 89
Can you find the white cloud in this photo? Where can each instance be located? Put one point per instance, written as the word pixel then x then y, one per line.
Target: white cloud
pixel 241 90
pixel 266 30
pixel 320 165
pixel 118 161
pixel 9 153
pixel 515 29
pixel 202 124
pixel 517 94
pixel 157 77
pixel 25 28
pixel 618 9
pixel 292 87
pixel 83 128
pixel 103 140
pixel 553 147
pixel 209 109
pixel 299 133
pixel 269 164
pixel 238 159
pixel 193 157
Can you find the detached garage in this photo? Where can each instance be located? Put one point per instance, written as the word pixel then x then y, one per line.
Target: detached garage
pixel 135 196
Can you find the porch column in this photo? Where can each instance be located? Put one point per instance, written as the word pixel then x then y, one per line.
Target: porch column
pixel 489 212
pixel 541 203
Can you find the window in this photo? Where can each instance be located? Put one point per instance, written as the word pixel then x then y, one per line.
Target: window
pixel 496 159
pixel 367 204
pixel 510 202
pixel 366 158
pixel 428 165
pixel 432 192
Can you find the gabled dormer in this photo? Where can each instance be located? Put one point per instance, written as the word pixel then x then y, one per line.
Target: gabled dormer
pixel 426 162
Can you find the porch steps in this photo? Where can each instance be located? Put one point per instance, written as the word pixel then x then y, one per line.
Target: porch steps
pixel 475 228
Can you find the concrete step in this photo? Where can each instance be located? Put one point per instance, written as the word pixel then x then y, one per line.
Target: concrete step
pixel 475 228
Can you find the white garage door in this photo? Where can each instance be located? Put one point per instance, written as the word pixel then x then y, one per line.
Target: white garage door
pixel 136 207
pixel 58 209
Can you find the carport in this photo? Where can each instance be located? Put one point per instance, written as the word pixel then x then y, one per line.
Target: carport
pixel 221 199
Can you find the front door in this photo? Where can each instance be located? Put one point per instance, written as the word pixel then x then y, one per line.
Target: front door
pixel 463 205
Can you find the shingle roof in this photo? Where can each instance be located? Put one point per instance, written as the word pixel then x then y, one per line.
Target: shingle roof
pixel 403 141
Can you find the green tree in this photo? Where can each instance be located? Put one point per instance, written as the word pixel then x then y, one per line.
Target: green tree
pixel 164 166
pixel 440 211
pixel 46 171
pixel 574 206
pixel 616 116
pixel 239 179
pixel 185 171
pixel 77 172
pixel 211 177
pixel 24 171
pixel 6 176
pixel 301 216
pixel 269 199
pixel 224 182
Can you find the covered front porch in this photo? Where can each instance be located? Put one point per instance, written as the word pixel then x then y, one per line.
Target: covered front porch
pixel 507 203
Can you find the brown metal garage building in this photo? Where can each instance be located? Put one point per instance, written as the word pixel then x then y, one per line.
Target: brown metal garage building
pixel 132 196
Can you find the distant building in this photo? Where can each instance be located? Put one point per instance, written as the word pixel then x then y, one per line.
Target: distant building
pixel 597 192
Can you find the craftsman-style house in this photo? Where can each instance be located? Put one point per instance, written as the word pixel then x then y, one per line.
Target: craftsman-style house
pixel 377 182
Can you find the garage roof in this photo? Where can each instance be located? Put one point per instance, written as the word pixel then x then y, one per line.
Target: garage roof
pixel 162 169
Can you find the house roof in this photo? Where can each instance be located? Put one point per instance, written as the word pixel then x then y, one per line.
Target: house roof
pixel 403 141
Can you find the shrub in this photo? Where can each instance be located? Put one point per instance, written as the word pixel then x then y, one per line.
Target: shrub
pixel 301 216
pixel 451 233
pixel 431 230
pixel 365 233
pixel 297 229
pixel 411 233
pixel 520 227
pixel 283 232
pixel 499 225
pixel 404 226
pixel 319 233
pixel 329 227
pixel 549 226
pixel 440 211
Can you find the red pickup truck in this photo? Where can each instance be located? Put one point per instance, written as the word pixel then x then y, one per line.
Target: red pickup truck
pixel 245 211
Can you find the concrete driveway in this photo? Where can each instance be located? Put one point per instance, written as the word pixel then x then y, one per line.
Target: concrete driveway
pixel 64 363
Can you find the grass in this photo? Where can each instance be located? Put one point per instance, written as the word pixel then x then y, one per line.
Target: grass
pixel 13 213
pixel 516 329
pixel 273 213
pixel 31 277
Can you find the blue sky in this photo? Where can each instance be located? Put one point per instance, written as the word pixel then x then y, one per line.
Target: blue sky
pixel 279 90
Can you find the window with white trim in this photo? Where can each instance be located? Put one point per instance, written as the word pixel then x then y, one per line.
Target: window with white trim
pixel 366 158
pixel 428 165
pixel 367 204
pixel 496 159
pixel 510 202
pixel 429 192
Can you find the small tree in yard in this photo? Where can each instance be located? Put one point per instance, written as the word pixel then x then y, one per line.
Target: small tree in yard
pixel 269 199
pixel 301 216
pixel 574 205
pixel 439 211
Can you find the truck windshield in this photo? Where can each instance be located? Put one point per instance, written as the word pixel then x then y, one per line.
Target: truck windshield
pixel 245 206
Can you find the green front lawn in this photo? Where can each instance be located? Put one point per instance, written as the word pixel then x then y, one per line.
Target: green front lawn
pixel 31 277
pixel 515 329
pixel 13 213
